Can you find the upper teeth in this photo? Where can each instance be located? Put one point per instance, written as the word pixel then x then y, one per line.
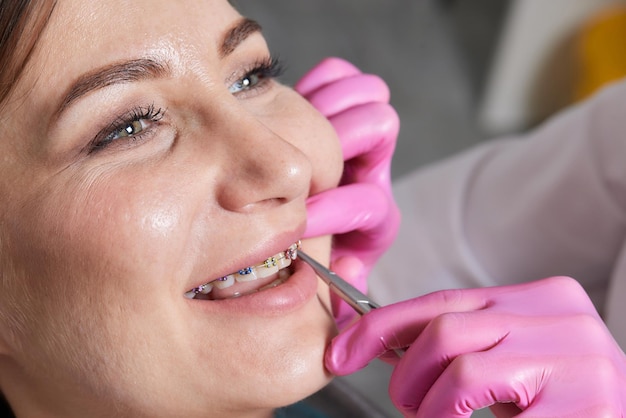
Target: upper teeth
pixel 265 269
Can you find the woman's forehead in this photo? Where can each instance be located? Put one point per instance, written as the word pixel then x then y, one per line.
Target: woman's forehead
pixel 82 36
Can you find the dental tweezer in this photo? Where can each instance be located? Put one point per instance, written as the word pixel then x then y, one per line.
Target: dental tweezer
pixel 350 294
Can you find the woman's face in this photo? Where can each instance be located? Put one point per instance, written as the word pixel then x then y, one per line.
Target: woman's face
pixel 145 152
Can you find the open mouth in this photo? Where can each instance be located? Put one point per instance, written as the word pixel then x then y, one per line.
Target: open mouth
pixel 265 275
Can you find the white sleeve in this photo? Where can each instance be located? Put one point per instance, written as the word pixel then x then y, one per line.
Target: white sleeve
pixel 550 202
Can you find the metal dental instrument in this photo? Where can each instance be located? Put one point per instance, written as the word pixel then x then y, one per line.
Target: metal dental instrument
pixel 350 294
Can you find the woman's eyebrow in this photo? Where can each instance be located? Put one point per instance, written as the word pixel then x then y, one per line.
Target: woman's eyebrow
pixel 237 34
pixel 146 68
pixel 116 73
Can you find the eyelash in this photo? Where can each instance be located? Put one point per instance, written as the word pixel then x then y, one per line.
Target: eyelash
pixel 107 136
pixel 264 71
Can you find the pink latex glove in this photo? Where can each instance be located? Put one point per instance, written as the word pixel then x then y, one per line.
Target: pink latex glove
pixel 361 212
pixel 538 347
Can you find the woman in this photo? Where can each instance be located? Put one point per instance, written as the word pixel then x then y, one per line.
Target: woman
pixel 154 180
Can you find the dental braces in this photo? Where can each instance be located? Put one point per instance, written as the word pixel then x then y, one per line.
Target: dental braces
pixel 290 253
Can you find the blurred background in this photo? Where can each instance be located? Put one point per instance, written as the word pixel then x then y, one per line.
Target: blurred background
pixel 459 71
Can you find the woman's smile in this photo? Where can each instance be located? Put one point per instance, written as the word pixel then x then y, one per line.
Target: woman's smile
pixel 284 292
pixel 272 272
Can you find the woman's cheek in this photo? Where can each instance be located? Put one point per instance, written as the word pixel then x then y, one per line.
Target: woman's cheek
pixel 161 221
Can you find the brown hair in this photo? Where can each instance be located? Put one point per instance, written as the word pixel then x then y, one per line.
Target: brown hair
pixel 21 25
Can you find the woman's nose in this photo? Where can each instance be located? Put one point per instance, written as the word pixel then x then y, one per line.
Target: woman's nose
pixel 262 169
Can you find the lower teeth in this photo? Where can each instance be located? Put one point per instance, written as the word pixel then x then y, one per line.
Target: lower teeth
pixel 283 275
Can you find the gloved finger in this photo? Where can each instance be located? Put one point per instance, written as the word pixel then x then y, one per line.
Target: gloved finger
pixel 362 342
pixel 344 209
pixel 348 92
pixel 540 387
pixel 471 382
pixel 550 296
pixel 524 354
pixel 393 326
pixel 367 149
pixel 327 71
pixel 577 395
pixel 437 348
pixel 349 268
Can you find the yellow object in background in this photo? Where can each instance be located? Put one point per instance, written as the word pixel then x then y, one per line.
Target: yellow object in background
pixel 602 51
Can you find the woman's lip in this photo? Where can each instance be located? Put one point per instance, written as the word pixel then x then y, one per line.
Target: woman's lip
pixel 300 288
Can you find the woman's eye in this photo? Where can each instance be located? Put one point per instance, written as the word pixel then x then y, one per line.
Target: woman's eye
pixel 245 83
pixel 262 72
pixel 130 128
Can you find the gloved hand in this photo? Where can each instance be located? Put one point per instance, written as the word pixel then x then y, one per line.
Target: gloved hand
pixel 361 212
pixel 537 347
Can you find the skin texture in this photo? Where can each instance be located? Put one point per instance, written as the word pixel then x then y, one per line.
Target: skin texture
pixel 98 247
